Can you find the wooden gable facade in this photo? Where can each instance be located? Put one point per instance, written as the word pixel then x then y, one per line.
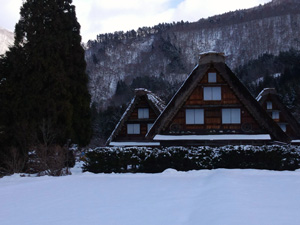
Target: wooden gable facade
pixel 270 101
pixel 213 107
pixel 137 120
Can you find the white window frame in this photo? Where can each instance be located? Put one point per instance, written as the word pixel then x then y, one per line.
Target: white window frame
pixel 194 116
pixel 212 77
pixel 231 116
pixel 269 105
pixel 275 115
pixel 143 113
pixel 133 128
pixel 212 93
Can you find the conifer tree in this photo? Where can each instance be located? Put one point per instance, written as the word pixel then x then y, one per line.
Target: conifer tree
pixel 49 99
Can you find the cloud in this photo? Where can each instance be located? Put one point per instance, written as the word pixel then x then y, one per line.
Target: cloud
pixel 193 10
pixel 104 16
pixel 9 13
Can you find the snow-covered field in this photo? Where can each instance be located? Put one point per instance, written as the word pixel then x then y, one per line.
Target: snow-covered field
pixel 208 197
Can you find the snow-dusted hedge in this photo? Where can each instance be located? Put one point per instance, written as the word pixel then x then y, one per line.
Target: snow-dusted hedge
pixel 153 160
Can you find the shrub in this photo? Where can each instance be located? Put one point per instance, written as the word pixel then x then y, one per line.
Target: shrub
pixel 155 160
pixel 51 160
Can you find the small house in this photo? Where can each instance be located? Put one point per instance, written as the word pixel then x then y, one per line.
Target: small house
pixel 213 107
pixel 137 120
pixel 271 103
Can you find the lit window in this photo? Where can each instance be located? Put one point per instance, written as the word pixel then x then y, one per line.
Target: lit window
pixel 275 115
pixel 143 113
pixel 283 127
pixel 149 125
pixel 212 77
pixel 231 116
pixel 133 128
pixel 212 93
pixel 194 116
pixel 269 105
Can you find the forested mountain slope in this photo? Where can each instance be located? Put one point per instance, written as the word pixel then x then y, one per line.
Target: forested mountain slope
pixel 170 51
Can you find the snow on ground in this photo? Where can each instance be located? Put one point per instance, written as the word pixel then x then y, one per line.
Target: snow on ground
pixel 208 197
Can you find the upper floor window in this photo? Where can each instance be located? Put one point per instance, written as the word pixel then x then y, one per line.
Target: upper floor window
pixel 133 128
pixel 269 105
pixel 143 113
pixel 275 115
pixel 231 116
pixel 212 77
pixel 212 93
pixel 194 116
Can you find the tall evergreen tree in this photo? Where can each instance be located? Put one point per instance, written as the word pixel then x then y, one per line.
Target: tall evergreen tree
pixel 49 100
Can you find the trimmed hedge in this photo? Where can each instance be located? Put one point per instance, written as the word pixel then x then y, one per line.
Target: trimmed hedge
pixel 155 160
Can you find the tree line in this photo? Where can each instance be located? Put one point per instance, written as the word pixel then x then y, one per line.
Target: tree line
pixel 45 103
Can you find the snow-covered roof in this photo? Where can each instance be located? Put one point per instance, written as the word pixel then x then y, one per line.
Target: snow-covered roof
pixel 206 57
pixel 164 121
pixel 153 99
pixel 264 92
pixel 156 101
pixel 216 137
pixel 270 94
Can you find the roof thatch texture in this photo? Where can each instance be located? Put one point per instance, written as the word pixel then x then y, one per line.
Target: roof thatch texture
pixel 254 108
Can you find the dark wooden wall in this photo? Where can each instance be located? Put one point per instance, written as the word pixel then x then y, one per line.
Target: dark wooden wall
pixel 133 118
pixel 282 119
pixel 213 112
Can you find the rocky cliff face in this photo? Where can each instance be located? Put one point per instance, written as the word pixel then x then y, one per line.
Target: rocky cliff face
pixel 6 39
pixel 171 50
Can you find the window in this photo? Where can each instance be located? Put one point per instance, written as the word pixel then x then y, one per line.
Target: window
pixel 269 105
pixel 231 116
pixel 133 128
pixel 143 113
pixel 282 126
pixel 149 125
pixel 212 93
pixel 212 77
pixel 275 115
pixel 194 116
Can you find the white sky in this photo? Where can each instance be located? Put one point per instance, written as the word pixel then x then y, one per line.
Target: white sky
pixel 103 16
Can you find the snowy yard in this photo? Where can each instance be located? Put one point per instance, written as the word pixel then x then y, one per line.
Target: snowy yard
pixel 208 197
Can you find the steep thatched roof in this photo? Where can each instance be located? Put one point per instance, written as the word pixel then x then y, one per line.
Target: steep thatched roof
pixel 154 101
pixel 216 60
pixel 271 94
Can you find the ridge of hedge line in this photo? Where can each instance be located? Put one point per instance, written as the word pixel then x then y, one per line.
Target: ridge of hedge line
pixel 155 160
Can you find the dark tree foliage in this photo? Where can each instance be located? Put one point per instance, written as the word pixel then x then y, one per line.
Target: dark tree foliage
pixel 156 160
pixel 45 84
pixel 104 122
pixel 281 72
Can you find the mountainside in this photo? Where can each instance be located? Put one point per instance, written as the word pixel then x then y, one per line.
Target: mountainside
pixel 170 51
pixel 6 39
pixel 281 72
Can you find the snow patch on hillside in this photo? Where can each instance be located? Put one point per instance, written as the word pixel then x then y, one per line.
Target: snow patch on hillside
pixel 6 40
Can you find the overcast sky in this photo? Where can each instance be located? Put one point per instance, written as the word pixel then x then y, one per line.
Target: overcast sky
pixel 103 16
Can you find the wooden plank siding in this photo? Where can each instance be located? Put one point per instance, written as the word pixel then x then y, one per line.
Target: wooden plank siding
pixel 133 119
pixel 212 112
pixel 275 107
